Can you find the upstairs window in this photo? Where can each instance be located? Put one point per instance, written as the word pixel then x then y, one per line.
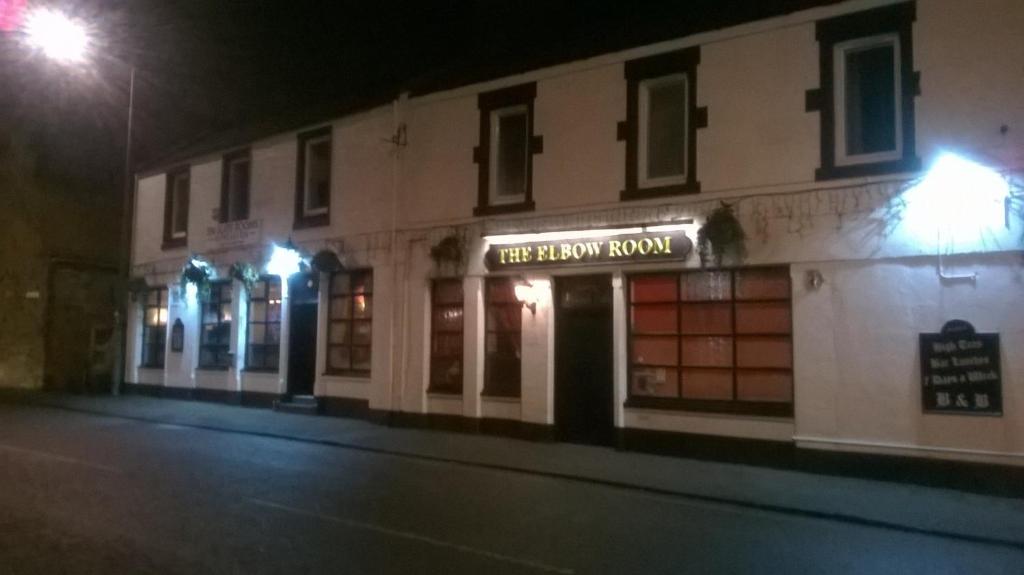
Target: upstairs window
pixel 350 323
pixel 215 327
pixel 313 194
pixel 154 328
pixel 176 199
pixel 264 334
pixel 866 99
pixel 505 153
pixel 234 195
pixel 446 336
pixel 661 125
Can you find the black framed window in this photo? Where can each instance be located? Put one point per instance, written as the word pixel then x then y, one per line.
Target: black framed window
pixel 866 98
pixel 215 327
pixel 263 336
pixel 504 341
pixel 176 201
pixel 313 179
pixel 717 340
pixel 154 328
pixel 661 125
pixel 446 336
pixel 505 153
pixel 350 323
pixel 235 183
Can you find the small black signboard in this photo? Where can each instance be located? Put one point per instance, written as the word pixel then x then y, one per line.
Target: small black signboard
pixel 960 371
pixel 625 248
pixel 177 336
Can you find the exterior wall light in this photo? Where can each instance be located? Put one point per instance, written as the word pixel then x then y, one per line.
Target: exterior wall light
pixel 284 261
pixel 526 295
pixel 813 280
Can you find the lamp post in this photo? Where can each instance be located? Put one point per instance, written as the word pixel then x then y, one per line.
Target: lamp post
pixel 67 41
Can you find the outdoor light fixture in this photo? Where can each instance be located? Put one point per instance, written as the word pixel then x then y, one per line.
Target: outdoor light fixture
pixel 284 261
pixel 56 35
pixel 526 294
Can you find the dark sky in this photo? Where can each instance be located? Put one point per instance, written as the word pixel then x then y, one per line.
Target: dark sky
pixel 210 66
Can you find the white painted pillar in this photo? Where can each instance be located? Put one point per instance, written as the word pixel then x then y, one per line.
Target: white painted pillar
pixel 473 345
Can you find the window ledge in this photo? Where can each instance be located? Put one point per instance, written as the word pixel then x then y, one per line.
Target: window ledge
pixel 659 191
pixel 904 165
pixel 527 206
pixel 361 375
pixel 174 243
pixel 779 410
pixel 212 368
pixel 316 221
pixel 445 392
pixel 153 367
pixel 260 370
pixel 503 397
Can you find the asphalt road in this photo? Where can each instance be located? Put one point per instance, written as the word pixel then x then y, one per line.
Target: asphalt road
pixel 83 493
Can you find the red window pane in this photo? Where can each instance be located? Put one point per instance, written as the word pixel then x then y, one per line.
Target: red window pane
pixel 654 350
pixel 763 317
pixel 707 351
pixel 654 318
pixel 764 352
pixel 705 318
pixel 702 286
pixel 762 283
pixel 653 288
pixel 753 385
pixel 707 384
pixel 447 319
pixel 654 382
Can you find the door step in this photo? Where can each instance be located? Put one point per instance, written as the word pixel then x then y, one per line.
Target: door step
pixel 301 404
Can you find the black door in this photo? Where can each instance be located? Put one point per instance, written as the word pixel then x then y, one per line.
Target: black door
pixel 583 359
pixel 302 292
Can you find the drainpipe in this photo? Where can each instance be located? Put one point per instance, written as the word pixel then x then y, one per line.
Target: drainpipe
pixel 398 141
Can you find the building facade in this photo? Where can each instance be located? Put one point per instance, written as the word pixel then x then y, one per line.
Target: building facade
pixel 772 231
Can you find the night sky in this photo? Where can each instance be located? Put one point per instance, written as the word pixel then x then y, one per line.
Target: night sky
pixel 206 67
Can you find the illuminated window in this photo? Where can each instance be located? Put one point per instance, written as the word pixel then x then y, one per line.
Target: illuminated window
pixel 313 196
pixel 263 337
pixel 661 125
pixel 215 327
pixel 504 343
pixel 505 153
pixel 866 99
pixel 234 198
pixel 350 323
pixel 446 336
pixel 154 328
pixel 712 341
pixel 176 200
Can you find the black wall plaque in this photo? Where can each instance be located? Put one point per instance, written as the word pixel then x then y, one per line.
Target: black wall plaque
pixel 960 371
pixel 177 336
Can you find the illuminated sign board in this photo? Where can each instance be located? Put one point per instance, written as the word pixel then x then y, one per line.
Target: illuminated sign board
pixel 641 246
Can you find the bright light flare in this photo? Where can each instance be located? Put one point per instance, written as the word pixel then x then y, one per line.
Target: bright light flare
pixel 284 262
pixel 56 35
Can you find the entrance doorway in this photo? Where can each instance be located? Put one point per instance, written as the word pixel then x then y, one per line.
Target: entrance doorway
pixel 302 312
pixel 583 359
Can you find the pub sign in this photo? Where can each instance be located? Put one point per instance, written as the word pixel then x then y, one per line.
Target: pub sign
pixel 960 371
pixel 625 248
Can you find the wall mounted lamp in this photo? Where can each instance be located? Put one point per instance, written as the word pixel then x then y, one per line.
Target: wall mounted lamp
pixel 526 295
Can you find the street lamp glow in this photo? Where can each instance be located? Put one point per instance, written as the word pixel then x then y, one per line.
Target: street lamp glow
pixel 284 262
pixel 56 35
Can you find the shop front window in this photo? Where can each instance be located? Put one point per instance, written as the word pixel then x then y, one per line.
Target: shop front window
pixel 350 324
pixel 264 334
pixel 154 328
pixel 712 341
pixel 215 328
pixel 446 330
pixel 504 343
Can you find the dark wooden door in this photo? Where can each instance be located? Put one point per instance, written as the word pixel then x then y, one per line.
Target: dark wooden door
pixel 583 360
pixel 302 293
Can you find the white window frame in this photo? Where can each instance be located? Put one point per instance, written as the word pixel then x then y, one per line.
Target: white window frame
pixel 229 165
pixel 839 52
pixel 644 100
pixel 308 159
pixel 494 199
pixel 175 201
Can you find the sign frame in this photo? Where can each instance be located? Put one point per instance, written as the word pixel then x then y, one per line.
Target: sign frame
pixel 961 371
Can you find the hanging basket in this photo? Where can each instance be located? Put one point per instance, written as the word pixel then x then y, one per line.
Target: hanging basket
pixel 135 286
pixel 246 274
pixel 721 238
pixel 197 272
pixel 449 253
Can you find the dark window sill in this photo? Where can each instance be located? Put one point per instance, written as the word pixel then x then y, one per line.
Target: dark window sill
pixel 316 221
pixel 348 373
pixel 170 244
pixel 438 390
pixel 150 366
pixel 527 206
pixel 659 191
pixel 213 368
pixel 912 164
pixel 782 410
pixel 500 394
pixel 260 370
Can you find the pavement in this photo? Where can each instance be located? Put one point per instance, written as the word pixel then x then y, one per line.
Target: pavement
pixel 894 507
